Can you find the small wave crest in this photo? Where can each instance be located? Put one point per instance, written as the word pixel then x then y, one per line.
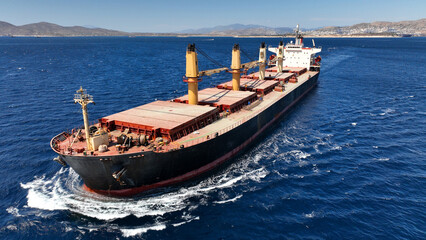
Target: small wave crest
pixel 140 231
pixel 309 215
pixel 387 111
pixel 14 211
pixel 382 159
pixel 229 200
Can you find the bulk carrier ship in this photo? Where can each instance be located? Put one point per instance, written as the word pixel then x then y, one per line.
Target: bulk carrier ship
pixel 166 142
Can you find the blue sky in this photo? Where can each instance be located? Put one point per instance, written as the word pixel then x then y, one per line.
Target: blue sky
pixel 169 16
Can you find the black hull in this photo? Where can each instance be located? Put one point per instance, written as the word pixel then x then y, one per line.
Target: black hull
pixel 147 170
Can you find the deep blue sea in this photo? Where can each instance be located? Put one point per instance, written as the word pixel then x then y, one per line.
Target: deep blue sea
pixel 348 162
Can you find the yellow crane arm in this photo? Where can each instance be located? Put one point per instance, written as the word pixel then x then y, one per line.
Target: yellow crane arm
pixel 250 65
pixel 212 71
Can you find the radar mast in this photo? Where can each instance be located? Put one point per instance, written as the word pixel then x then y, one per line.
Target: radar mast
pixel 83 99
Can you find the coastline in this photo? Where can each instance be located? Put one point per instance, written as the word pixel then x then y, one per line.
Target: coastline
pixel 205 35
pixel 325 36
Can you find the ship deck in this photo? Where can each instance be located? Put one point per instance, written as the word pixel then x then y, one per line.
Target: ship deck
pixel 271 76
pixel 179 112
pixel 234 120
pixel 163 116
pixel 299 70
pixel 225 100
pixel 259 86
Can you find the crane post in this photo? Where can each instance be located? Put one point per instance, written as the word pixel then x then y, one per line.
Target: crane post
pixel 192 74
pixel 280 56
pixel 262 61
pixel 236 67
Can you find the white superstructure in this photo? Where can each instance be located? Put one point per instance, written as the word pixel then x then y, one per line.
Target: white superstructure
pixel 296 55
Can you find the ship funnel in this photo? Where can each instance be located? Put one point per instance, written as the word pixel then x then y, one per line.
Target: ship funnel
pixel 192 74
pixel 262 61
pixel 236 67
pixel 280 56
pixel 83 99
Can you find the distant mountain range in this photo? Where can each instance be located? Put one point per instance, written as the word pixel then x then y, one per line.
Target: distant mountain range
pixel 42 29
pixel 239 29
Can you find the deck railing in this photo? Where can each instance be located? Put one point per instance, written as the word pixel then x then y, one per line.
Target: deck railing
pixel 54 143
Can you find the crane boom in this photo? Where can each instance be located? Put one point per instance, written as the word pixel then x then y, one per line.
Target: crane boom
pixel 249 65
pixel 212 71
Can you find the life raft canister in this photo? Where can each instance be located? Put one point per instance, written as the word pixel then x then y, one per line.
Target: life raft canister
pixel 318 59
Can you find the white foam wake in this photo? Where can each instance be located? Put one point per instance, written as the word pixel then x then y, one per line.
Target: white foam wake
pixel 63 192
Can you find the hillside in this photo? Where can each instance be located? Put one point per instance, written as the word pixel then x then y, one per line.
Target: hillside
pixel 415 28
pixel 50 29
